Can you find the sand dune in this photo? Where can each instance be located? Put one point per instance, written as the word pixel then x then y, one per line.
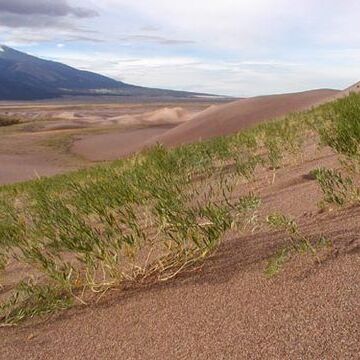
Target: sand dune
pixel 135 131
pixel 230 118
pixel 228 309
pixel 116 144
pixel 164 116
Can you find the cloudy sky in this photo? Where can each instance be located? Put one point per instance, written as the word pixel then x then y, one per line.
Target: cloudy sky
pixel 233 47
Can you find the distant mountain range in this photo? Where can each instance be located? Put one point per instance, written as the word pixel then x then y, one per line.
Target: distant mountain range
pixel 26 77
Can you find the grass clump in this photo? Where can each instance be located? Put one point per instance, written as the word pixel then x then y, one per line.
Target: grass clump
pixel 31 300
pixel 340 128
pixel 298 242
pixel 276 263
pixel 336 188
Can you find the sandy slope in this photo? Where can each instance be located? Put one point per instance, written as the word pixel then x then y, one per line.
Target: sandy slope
pixel 228 309
pixel 116 144
pixel 16 168
pixel 230 118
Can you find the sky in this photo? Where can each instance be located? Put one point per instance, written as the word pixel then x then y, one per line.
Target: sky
pixel 227 47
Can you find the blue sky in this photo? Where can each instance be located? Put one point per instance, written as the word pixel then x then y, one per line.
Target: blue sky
pixel 239 48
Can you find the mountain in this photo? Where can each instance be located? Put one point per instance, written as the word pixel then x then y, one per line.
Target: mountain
pixel 26 77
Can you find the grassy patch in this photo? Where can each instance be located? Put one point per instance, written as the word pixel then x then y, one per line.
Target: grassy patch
pixel 337 189
pixel 30 300
pixel 276 263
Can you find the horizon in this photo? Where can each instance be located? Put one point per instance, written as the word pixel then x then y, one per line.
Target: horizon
pixel 222 47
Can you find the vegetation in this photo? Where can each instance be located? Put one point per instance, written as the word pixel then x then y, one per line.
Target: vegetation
pixel 160 212
pixel 336 188
pixel 341 128
pixel 298 242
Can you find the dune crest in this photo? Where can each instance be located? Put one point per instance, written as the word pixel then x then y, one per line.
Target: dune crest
pixel 233 117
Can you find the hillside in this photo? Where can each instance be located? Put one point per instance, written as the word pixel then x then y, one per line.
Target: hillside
pixel 26 77
pixel 243 246
pixel 231 118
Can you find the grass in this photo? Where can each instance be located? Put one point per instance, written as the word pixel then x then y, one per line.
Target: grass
pixel 337 189
pixel 149 217
pixel 275 263
pixel 31 300
pixel 298 243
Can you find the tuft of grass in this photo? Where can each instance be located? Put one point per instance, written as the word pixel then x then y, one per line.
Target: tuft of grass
pixel 340 128
pixel 298 242
pixel 336 188
pixel 30 300
pixel 276 263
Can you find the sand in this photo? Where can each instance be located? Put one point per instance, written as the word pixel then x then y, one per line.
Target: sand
pixel 15 168
pixel 231 118
pixel 228 309
pixel 42 145
pixel 117 144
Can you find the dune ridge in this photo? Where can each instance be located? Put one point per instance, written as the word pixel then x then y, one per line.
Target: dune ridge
pixel 235 116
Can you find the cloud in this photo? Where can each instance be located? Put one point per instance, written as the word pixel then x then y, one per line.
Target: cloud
pixel 249 25
pixel 155 39
pixel 150 28
pixel 40 14
pixel 234 47
pixel 51 8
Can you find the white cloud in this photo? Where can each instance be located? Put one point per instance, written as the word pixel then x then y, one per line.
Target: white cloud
pixel 237 47
pixel 243 78
pixel 239 25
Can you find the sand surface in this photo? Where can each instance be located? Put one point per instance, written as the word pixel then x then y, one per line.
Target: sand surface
pixel 15 168
pixel 117 144
pixel 230 118
pixel 58 137
pixel 228 309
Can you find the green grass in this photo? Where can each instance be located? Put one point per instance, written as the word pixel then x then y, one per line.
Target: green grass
pixel 31 300
pixel 298 243
pixel 339 127
pixel 275 263
pixel 145 218
pixel 337 188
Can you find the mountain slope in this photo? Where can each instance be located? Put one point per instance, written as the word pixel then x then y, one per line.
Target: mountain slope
pixel 25 77
pixel 231 118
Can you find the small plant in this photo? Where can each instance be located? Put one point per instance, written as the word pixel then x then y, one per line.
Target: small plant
pixel 340 128
pixel 336 188
pixel 299 243
pixel 275 264
pixel 30 300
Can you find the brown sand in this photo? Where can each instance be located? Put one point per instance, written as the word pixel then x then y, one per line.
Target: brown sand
pixel 228 309
pixel 15 168
pixel 99 131
pixel 233 117
pixel 117 144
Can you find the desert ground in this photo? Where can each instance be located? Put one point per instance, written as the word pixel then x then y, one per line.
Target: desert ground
pixel 59 137
pixel 227 308
pixel 230 304
pixel 55 137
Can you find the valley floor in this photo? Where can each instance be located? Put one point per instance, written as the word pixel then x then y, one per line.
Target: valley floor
pixel 59 137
